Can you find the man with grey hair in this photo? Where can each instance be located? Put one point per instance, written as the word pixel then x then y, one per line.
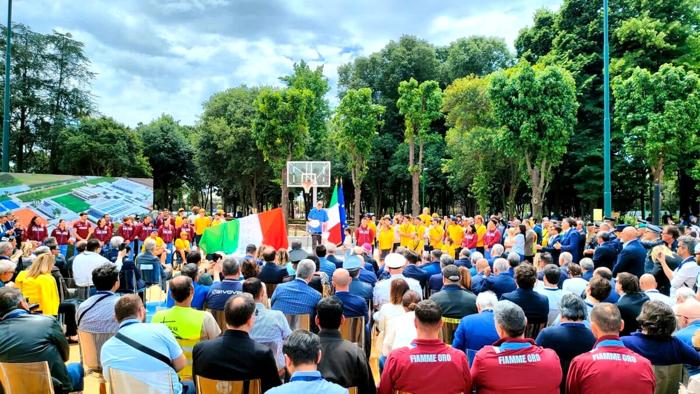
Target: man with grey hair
pixel 686 274
pixel 220 292
pixel 497 251
pixel 152 268
pixel 571 337
pixel 6 250
pixel 501 281
pixel 436 280
pixel 464 260
pixel 330 255
pixel 455 302
pixel 477 330
pixel 475 257
pixel 7 269
pixel 525 364
pixel 513 261
pixel 587 268
pixel 296 297
pixel 86 262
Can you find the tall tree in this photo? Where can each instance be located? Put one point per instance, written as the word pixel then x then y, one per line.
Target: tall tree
pixel 281 129
pixel 170 155
pixel 420 105
pixel 104 147
pixel 357 120
pixel 537 107
pixel 475 55
pixel 659 114
pixel 536 41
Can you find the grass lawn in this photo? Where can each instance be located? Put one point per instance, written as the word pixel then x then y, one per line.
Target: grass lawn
pixel 73 203
pixel 7 180
pixel 101 179
pixel 4 197
pixel 46 193
pixel 38 179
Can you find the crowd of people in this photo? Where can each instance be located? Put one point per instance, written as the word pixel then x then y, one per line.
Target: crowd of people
pixel 449 304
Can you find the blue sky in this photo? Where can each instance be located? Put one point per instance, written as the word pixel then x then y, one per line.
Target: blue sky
pixel 169 56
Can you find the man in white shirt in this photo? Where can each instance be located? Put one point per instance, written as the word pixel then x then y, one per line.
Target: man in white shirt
pixel 686 274
pixel 647 283
pixel 394 263
pixel 551 290
pixel 86 262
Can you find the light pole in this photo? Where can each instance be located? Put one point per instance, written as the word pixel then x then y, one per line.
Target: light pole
pixel 607 194
pixel 6 102
pixel 422 181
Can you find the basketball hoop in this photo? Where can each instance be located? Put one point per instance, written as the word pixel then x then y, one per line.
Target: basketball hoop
pixel 307 184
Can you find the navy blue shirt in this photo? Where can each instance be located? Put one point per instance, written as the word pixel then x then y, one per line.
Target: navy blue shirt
pixel 435 282
pixel 662 351
pixel 367 276
pixel 361 288
pixel 568 340
pixel 534 304
pixel 431 268
pixel 499 284
pixel 353 305
pixel 220 292
pixel 413 271
pixel 272 273
pixel 474 332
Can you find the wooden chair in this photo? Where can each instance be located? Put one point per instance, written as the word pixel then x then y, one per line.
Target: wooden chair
pixel 211 386
pixel 449 326
pixel 299 322
pixel 353 330
pixel 26 378
pixel 220 318
pixel 352 390
pixel 122 382
pixel 531 330
pixel 90 347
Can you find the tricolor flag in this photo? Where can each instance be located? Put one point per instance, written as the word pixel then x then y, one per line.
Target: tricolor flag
pixel 266 228
pixel 337 222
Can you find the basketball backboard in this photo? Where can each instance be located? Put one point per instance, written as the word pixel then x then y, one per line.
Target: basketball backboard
pixel 300 173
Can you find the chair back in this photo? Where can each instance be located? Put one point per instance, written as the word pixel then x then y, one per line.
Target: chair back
pixel 668 377
pixel 299 322
pixel 449 326
pixel 352 390
pixel 531 330
pixel 211 386
pixel 122 382
pixel 220 318
pixel 353 330
pixel 90 347
pixel 270 288
pixel 127 281
pixel 23 378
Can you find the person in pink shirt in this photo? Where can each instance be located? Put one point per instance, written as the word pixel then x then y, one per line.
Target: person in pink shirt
pixel 492 237
pixel 37 231
pixel 62 235
pixel 167 233
pixel 470 238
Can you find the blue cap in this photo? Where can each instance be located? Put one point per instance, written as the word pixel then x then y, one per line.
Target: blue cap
pixel 353 262
pixel 621 227
pixel 654 228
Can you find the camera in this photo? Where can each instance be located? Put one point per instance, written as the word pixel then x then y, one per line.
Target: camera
pixel 125 246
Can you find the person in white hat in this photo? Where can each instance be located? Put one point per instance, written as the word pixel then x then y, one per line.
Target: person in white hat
pixel 394 263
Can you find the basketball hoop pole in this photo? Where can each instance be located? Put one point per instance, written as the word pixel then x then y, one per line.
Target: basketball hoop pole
pixel 314 198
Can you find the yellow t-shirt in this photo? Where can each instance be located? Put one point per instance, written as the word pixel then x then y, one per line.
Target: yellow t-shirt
pixel 201 223
pixel 40 290
pixel 178 221
pixel 436 234
pixel 159 243
pixel 449 249
pixel 407 232
pixel 480 232
pixel 386 239
pixel 372 225
pixel 182 244
pixel 456 233
pixel 425 218
pixel 419 243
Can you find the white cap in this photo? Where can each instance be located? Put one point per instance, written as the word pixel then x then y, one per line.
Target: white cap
pixel 394 260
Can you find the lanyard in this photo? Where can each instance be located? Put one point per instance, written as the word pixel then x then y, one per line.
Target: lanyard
pixel 306 378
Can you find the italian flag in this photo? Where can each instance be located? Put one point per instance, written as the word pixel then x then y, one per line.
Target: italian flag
pixel 336 217
pixel 266 228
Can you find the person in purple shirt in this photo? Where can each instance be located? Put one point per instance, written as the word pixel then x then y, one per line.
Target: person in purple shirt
pixel 353 305
pixel 477 330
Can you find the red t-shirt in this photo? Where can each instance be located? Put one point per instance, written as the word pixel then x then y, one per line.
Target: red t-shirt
pixel 491 238
pixel 364 236
pixel 428 366
pixel 144 230
pixel 469 241
pixel 516 366
pixel 610 364
pixel 38 233
pixel 167 233
pixel 127 231
pixel 62 236
pixel 82 228
pixel 103 234
pixel 186 228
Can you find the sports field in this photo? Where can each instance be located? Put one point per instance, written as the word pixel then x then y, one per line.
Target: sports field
pixel 46 193
pixel 38 179
pixel 73 203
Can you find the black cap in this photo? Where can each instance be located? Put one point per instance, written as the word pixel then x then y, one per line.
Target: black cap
pixel 296 255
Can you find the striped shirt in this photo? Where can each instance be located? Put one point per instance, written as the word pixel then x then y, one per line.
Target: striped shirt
pixel 100 317
pixel 271 328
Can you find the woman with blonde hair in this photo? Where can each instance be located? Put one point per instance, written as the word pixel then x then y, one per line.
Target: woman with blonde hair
pixel 38 286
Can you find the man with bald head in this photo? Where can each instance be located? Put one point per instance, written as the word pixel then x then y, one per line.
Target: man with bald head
pixel 631 258
pixel 688 317
pixel 353 305
pixel 647 283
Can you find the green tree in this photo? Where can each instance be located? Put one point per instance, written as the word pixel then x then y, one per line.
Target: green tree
pixel 537 108
pixel 104 147
pixel 658 113
pixel 170 155
pixel 475 55
pixel 357 120
pixel 536 41
pixel 420 105
pixel 281 129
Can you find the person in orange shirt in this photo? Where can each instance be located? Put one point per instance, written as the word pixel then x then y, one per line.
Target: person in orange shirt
pixel 480 232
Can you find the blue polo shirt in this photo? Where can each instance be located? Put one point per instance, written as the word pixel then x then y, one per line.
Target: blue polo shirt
pixel 308 383
pixel 220 292
pixel 474 332
pixel 353 305
pixel 686 335
pixel 200 295
pixel 317 214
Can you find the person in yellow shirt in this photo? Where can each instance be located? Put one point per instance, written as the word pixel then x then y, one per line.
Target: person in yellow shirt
pixel 419 242
pixel 38 286
pixel 182 249
pixel 200 224
pixel 436 233
pixel 449 247
pixel 480 232
pixel 398 219
pixel 425 217
pixel 179 217
pixel 371 223
pixel 385 238
pixel 455 232
pixel 407 232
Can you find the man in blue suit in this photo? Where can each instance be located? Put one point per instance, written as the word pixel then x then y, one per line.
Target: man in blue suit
pixel 605 254
pixel 535 305
pixel 631 258
pixel 501 282
pixel 571 240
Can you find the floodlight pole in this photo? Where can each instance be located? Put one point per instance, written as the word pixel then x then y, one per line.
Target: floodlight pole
pixel 6 106
pixel 607 193
pixel 314 195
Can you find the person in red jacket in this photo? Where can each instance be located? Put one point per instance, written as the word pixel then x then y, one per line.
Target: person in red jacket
pixel 143 230
pixel 364 234
pixel 186 227
pixel 470 238
pixel 62 235
pixel 428 365
pixel 82 230
pixel 515 364
pixel 492 237
pixel 610 366
pixel 167 233
pixel 103 233
pixel 127 230
pixel 36 231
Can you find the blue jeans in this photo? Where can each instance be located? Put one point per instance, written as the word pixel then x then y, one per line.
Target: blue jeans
pixel 188 387
pixel 64 250
pixel 76 374
pixel 133 244
pixel 169 254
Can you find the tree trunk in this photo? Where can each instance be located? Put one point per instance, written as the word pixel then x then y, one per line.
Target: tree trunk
pixel 415 195
pixel 284 203
pixel 658 175
pixel 254 195
pixel 357 183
